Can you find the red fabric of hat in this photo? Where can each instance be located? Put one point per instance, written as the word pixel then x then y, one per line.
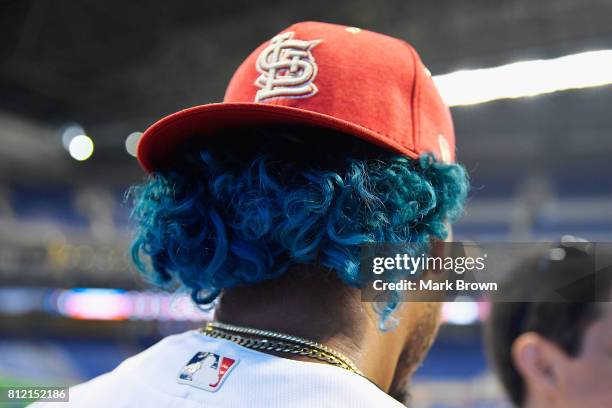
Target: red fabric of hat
pixel 361 83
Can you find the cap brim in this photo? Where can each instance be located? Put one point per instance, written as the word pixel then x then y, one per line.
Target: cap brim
pixel 159 145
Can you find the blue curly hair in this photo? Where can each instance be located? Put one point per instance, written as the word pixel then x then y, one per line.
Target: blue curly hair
pixel 289 196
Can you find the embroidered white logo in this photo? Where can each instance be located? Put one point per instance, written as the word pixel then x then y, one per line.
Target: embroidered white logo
pixel 287 68
pixel 206 370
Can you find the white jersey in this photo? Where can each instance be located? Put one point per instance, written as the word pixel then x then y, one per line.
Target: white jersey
pixel 194 370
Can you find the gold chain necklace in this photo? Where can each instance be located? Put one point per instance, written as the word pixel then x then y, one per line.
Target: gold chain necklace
pixel 278 342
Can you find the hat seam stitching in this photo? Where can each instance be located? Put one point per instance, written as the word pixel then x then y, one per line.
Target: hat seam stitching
pixel 416 100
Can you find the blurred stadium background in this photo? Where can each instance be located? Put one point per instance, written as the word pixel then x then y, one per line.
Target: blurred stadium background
pixel 80 80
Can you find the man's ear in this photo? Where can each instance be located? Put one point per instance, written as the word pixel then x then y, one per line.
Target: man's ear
pixel 539 362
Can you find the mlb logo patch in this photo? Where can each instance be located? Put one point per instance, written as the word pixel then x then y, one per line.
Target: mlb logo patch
pixel 206 370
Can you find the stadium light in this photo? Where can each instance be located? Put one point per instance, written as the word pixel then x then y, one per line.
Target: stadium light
pixel 131 143
pixel 81 147
pixel 526 78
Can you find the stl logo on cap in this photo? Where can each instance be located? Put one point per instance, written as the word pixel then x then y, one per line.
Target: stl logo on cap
pixel 287 68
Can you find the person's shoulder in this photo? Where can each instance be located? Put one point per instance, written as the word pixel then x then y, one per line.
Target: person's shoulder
pixel 338 387
pixel 130 379
pixel 313 384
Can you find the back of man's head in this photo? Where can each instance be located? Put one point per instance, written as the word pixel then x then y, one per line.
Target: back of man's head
pixel 253 208
pixel 520 334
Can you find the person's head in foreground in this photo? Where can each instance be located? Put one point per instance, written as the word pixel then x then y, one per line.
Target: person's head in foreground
pixel 556 350
pixel 329 137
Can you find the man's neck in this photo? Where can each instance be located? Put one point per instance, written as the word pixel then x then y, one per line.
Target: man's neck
pixel 321 309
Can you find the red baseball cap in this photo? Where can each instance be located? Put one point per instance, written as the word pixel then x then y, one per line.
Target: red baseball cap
pixel 361 83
